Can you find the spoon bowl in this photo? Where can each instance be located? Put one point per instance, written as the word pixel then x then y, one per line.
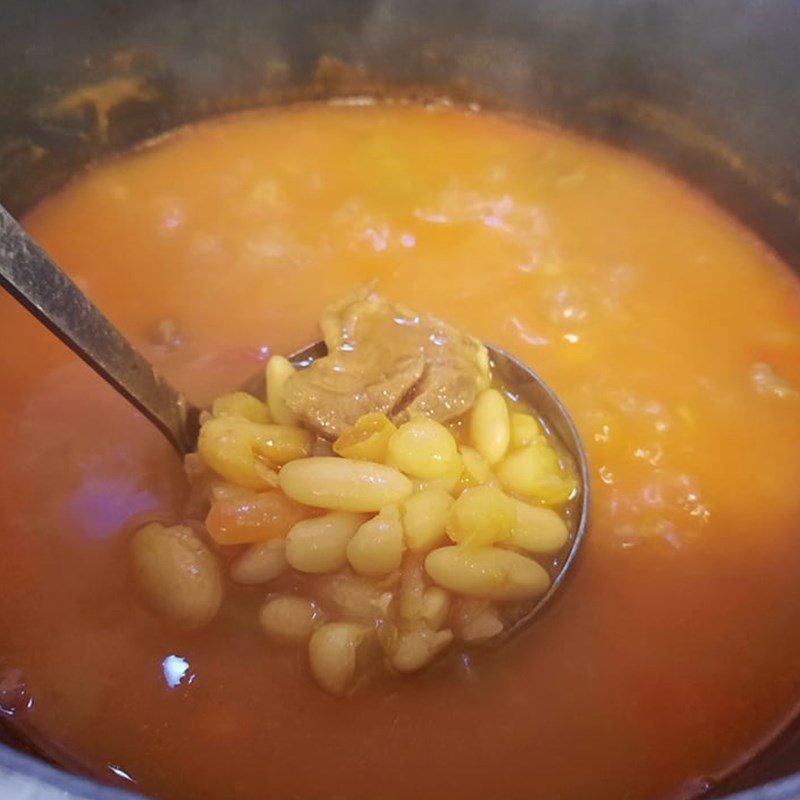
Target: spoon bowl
pixel 523 382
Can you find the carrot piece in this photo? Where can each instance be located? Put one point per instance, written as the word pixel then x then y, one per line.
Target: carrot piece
pixel 254 517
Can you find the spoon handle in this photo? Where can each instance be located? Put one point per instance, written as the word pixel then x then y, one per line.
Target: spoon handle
pixel 42 288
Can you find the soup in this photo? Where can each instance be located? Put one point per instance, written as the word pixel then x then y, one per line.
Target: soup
pixel 672 336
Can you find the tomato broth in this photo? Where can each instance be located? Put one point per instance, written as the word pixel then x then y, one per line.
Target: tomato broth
pixel 671 334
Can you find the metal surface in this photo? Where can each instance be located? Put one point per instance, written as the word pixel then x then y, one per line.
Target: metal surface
pixel 28 274
pixel 23 777
pixel 523 381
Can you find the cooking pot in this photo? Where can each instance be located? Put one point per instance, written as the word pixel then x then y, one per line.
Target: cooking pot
pixel 708 89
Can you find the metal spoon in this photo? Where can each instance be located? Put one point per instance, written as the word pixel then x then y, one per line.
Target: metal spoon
pixel 28 274
pixel 31 277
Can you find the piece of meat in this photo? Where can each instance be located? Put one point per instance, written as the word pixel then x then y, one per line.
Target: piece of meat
pixel 383 357
pixel 335 391
pixel 449 384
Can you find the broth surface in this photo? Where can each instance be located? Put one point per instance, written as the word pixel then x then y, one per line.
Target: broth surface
pixel 671 334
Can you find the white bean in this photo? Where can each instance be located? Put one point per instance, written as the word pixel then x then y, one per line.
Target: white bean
pixel 435 607
pixel 476 620
pixel 178 573
pixel 449 482
pixel 416 647
pixel 490 428
pixel 279 370
pixel 226 445
pixel 320 544
pixel 332 653
pixel 534 471
pixel 476 469
pixel 343 484
pixel 377 546
pixel 537 529
pixel 524 429
pixel 260 563
pixel 481 516
pixel 487 572
pixel 289 619
pixel 423 448
pixel 354 596
pixel 412 588
pixel 241 404
pixel 425 516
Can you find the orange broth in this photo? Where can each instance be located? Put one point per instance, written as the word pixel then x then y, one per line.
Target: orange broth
pixel 671 334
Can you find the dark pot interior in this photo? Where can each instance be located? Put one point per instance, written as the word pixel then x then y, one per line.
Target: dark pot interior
pixel 707 89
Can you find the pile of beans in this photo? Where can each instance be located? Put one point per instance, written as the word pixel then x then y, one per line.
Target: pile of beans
pixel 395 540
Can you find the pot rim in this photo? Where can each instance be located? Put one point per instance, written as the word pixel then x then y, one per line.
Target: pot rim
pixel 79 787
